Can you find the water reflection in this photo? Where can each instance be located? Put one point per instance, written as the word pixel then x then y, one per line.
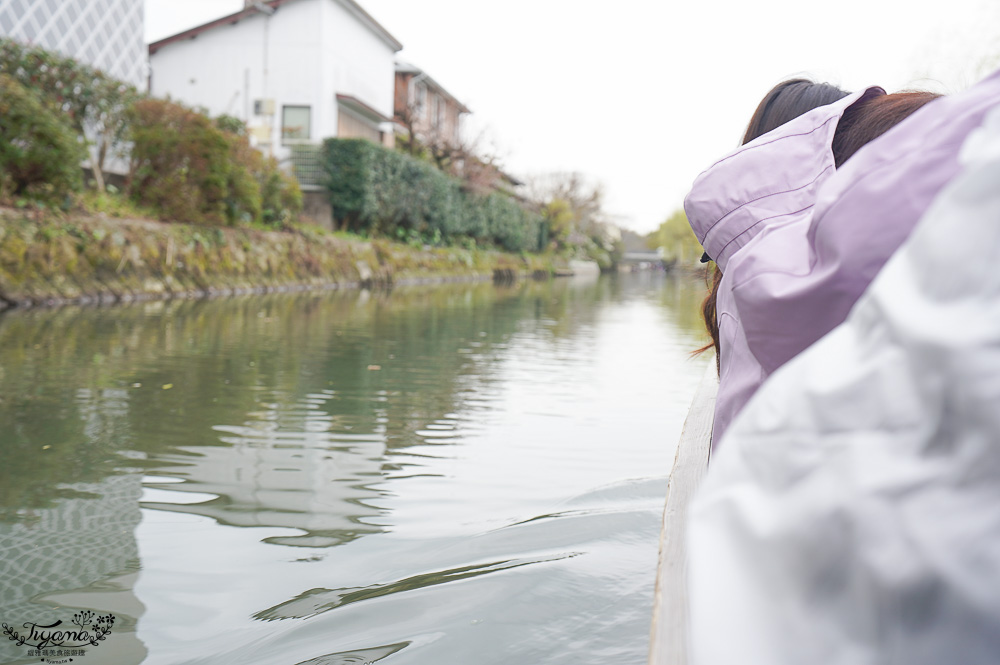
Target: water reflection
pixel 81 554
pixel 284 469
pixel 355 657
pixel 366 475
pixel 317 601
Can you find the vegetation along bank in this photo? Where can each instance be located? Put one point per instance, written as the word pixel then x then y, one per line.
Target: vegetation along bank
pixel 55 260
pixel 171 202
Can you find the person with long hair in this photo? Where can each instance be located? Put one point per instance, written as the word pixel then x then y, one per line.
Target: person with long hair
pixel 852 512
pixel 751 212
pixel 785 101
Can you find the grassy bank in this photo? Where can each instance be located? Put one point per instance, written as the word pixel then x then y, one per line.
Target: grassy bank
pixel 53 259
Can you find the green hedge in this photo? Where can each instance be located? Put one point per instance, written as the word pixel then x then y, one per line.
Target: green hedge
pixel 379 191
pixel 39 153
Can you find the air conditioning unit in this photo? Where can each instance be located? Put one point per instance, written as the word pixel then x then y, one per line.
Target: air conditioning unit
pixel 263 107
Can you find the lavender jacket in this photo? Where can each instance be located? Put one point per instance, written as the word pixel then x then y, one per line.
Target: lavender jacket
pixel 734 205
pixel 793 270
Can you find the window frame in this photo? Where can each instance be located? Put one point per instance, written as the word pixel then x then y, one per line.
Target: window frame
pixel 285 140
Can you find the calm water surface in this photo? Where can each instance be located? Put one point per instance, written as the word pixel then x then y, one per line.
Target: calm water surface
pixel 444 475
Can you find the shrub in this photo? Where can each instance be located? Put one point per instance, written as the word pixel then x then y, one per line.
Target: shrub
pixel 92 103
pixel 277 194
pixel 180 164
pixel 231 124
pixel 194 169
pixel 243 196
pixel 510 226
pixel 281 196
pixel 348 175
pixel 62 82
pixel 183 165
pixel 376 190
pixel 40 154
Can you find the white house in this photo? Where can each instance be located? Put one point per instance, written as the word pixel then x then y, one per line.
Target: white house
pixel 297 71
pixel 106 35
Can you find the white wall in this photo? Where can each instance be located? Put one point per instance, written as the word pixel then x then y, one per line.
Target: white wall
pixel 356 62
pixel 315 49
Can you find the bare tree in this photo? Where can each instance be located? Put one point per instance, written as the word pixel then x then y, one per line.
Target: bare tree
pixel 479 168
pixel 585 200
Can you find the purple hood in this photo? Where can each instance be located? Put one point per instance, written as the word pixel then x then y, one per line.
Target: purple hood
pixel 768 183
pixel 815 271
pixel 792 269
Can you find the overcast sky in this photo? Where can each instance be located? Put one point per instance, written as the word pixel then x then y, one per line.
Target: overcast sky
pixel 641 95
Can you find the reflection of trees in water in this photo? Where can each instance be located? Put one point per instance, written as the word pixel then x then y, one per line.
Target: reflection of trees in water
pixel 284 411
pixel 283 407
pixel 79 384
pixel 568 305
pixel 683 296
pixel 61 424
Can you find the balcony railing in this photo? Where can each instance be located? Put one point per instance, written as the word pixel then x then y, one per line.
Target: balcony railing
pixel 306 164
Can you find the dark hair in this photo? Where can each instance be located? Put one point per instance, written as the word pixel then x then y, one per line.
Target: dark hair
pixel 863 122
pixel 787 101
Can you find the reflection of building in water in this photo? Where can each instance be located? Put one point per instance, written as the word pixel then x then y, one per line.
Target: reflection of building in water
pixel 104 415
pixel 76 546
pixel 282 473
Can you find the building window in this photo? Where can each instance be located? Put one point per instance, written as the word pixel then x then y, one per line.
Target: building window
pixel 421 98
pixel 295 124
pixel 437 113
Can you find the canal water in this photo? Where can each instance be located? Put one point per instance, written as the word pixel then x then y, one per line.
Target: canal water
pixel 458 474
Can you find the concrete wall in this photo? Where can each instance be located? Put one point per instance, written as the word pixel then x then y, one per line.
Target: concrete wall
pixel 316 206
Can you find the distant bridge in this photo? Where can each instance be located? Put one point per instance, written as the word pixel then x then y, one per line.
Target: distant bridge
pixel 654 257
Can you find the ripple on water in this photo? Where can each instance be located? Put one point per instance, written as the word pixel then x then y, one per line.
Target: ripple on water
pixel 362 479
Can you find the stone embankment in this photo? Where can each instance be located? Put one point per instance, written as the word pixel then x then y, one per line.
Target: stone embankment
pixel 83 259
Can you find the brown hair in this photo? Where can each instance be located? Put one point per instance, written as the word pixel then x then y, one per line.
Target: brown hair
pixel 863 122
pixel 870 118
